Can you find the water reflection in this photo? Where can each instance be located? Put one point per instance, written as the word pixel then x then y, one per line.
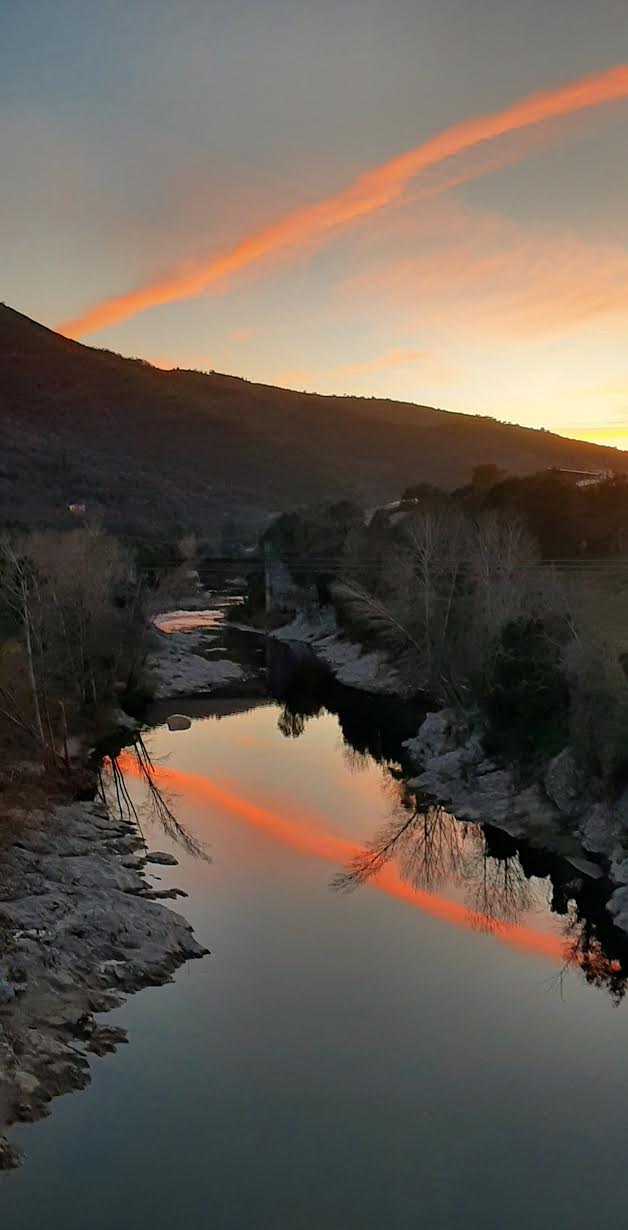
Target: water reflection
pixel 469 875
pixel 374 726
pixel 158 806
pixel 501 880
pixel 306 831
pixel 333 1037
pixel 430 848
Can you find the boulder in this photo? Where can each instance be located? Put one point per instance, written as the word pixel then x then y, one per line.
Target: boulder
pixel 564 784
pixel 178 721
pixel 490 798
pixel 163 859
pixel 598 830
pixel 436 737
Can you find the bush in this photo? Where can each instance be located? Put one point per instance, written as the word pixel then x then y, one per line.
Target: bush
pixel 599 708
pixel 524 696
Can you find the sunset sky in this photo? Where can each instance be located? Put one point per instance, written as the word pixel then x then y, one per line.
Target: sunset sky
pixel 418 199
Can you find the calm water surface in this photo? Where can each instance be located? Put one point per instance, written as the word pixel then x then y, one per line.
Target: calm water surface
pixel 406 1054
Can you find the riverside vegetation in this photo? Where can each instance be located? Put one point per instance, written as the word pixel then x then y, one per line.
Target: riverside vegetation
pixel 79 923
pixel 505 601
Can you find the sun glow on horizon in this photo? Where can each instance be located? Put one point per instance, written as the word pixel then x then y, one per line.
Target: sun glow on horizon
pixel 610 437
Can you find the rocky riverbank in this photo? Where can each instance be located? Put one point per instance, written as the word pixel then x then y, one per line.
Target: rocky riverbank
pixel 558 811
pixel 367 670
pixel 79 930
pixel 192 655
pixel 179 665
pixel 80 923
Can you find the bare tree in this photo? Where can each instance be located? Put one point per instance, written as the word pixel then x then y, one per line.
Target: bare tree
pixel 504 572
pixel 71 604
pixel 16 581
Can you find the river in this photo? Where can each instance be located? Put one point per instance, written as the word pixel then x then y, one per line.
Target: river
pixel 421 1048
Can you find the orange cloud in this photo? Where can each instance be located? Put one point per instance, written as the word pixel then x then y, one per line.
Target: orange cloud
pixel 309 836
pixel 161 361
pixel 294 377
pixel 491 275
pixel 383 362
pixel 243 333
pixel 165 364
pixel 372 190
pixel 430 369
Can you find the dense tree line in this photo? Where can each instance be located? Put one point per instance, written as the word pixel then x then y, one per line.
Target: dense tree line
pixel 507 595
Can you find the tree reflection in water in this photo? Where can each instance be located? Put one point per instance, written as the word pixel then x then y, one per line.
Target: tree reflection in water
pixel 586 951
pixel 430 848
pixel 500 878
pixel 157 807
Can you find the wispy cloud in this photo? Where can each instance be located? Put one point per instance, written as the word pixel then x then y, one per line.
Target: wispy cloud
pixel 472 272
pixel 390 360
pixel 376 188
pixel 388 365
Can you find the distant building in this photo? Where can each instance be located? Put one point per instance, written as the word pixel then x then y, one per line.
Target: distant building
pixel 583 478
pixel 77 510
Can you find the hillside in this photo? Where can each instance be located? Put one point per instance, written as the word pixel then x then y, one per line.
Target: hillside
pixel 148 446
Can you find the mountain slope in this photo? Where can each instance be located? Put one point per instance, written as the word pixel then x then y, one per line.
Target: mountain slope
pixel 145 445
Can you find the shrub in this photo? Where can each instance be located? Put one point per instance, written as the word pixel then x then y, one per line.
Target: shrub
pixel 524 696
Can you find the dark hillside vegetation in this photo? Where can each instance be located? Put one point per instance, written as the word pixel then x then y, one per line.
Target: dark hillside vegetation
pixel 507 597
pixel 142 446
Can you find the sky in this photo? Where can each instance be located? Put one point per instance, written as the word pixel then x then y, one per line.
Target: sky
pixel 417 199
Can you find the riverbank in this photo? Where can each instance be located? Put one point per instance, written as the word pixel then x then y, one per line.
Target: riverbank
pixel 80 929
pixel 559 811
pixel 349 662
pixel 188 658
pixel 81 925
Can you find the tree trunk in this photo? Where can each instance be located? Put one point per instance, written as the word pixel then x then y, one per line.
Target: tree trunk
pixel 29 663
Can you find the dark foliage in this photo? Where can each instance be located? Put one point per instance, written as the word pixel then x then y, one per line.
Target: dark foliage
pixel 525 697
pixel 140 445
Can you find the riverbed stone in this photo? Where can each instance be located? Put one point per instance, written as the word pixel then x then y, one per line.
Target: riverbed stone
pixel 564 782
